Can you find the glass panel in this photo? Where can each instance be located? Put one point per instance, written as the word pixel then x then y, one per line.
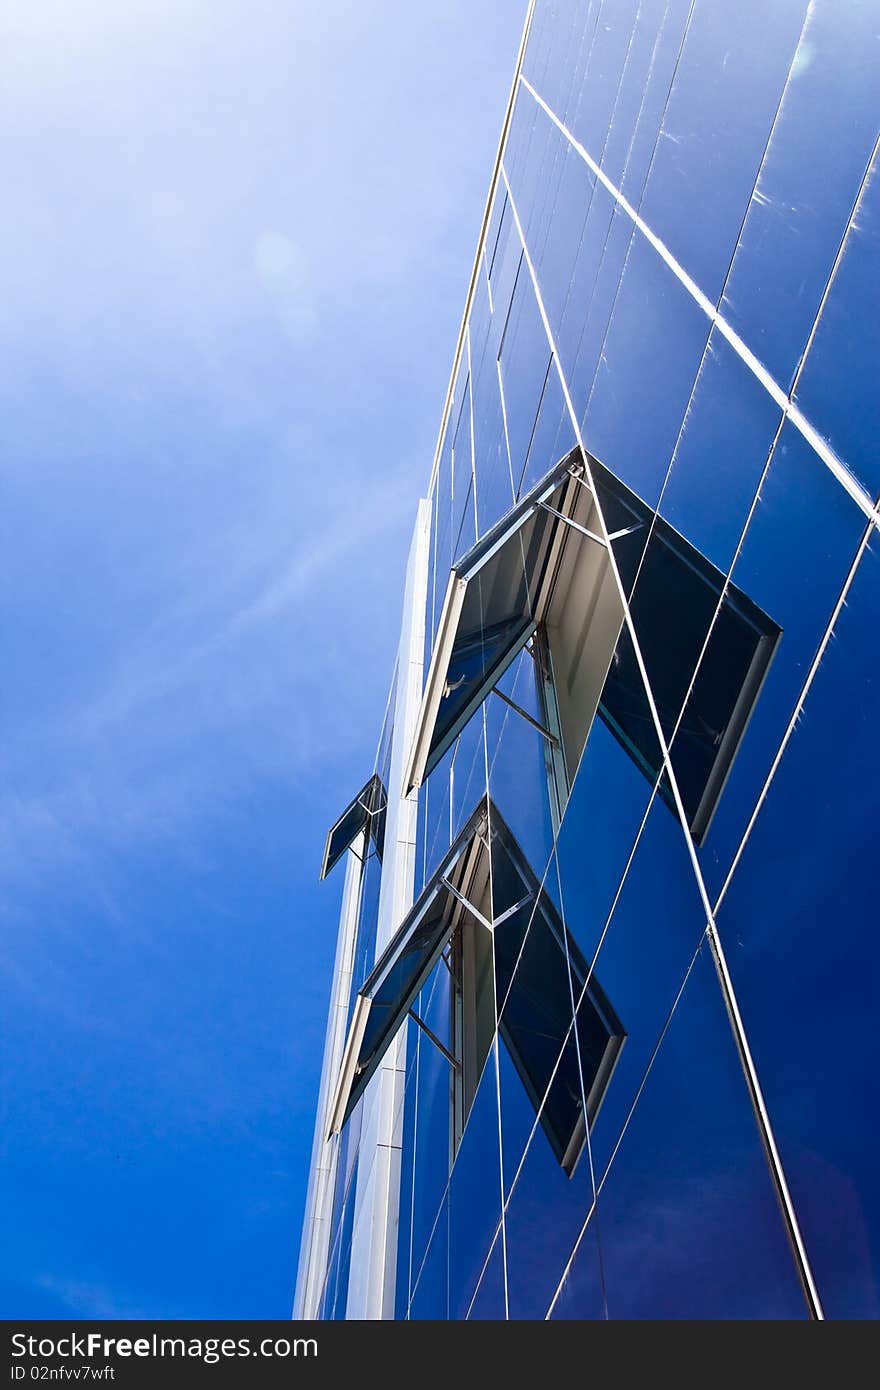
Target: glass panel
pixel 468 772
pixel 545 1208
pixel 562 233
pixel 799 922
pixel 525 361
pixel 407 1172
pixel 838 389
pixel 462 460
pixel 657 33
pixel 489 1303
pixel 368 921
pixel 688 1217
pixel 444 537
pixel 795 557
pixel 722 105
pixel 432 1132
pixel 518 777
pixel 598 91
pixel 492 468
pixel 553 436
pixel 438 815
pixel 504 272
pixel 688 1220
pixel 645 366
pixel 474 1194
pixel 818 153
pixel 539 970
pixel 582 1296
pixel 643 957
pixel 430 1299
pixel 720 455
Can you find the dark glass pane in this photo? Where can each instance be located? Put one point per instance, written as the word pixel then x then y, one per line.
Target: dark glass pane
pixel 689 1222
pixel 545 1208
pixel 432 1124
pixel 478 659
pixel 525 363
pixel 468 772
pixel 489 1304
pixel 799 924
pixel 819 150
pixel 553 435
pixel 838 389
pixel 721 454
pixel 518 773
pixel 793 562
pixel 644 952
pixel 539 971
pixel 582 1295
pixel 474 1195
pixel 430 1299
pixel 673 606
pixel 645 353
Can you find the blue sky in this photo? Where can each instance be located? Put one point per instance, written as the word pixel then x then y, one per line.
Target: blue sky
pixel 235 248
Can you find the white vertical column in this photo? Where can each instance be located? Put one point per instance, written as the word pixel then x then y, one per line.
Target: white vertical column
pixel 322 1174
pixel 373 1268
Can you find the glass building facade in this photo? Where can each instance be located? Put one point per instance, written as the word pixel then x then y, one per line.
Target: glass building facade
pixel 603 1027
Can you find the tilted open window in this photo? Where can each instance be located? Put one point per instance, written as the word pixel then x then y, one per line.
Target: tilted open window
pixel 365 812
pixel 485 912
pixel 542 576
pixel 544 566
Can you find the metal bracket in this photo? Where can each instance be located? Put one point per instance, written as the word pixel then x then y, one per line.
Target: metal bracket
pixel 575 525
pixel 551 738
pixel 466 903
pixel 453 1061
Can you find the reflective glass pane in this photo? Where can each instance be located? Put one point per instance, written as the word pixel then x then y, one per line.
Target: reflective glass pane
pixel 642 960
pixel 687 1215
pixel 488 1304
pixel 518 773
pixel 525 362
pixel 795 557
pixel 432 1091
pixel 430 1300
pixel 799 926
pixel 474 1195
pixel 722 104
pixel 645 368
pixel 582 1295
pixel 819 150
pixel 552 437
pixel 545 1209
pixel 838 389
pixel 720 455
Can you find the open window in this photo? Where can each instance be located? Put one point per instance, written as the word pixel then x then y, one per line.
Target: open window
pixel 365 812
pixel 541 572
pixel 542 578
pixel 485 913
